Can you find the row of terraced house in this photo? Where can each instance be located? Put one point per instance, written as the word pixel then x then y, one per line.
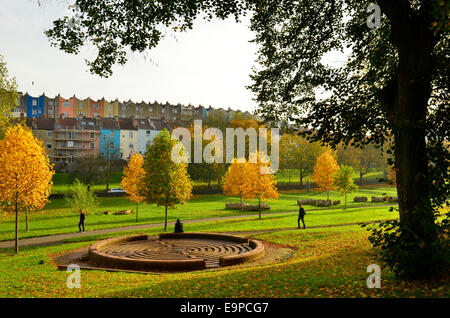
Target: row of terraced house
pixel 59 107
pixel 66 139
pixel 73 128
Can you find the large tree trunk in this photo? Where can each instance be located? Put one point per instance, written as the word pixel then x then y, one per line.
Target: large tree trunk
pixel 406 108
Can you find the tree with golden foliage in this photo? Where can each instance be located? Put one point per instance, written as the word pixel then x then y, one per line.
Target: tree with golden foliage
pixel 324 170
pixel 25 173
pixel 235 179
pixel 166 182
pixel 133 175
pixel 259 186
pixel 392 175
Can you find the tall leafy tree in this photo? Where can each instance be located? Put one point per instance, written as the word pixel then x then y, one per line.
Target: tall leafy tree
pixel 363 160
pixel 298 153
pixel 394 80
pixel 132 177
pixel 343 182
pixel 166 182
pixel 25 173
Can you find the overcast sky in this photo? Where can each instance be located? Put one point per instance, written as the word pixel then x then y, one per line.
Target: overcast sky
pixel 209 65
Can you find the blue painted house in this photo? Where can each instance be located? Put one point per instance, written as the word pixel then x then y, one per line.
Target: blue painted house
pixel 110 138
pixel 35 106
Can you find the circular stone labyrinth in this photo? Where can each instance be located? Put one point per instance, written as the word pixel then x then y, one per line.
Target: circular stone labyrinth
pixel 181 251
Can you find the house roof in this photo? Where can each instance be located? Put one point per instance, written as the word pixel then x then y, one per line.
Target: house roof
pixel 126 124
pixel 109 123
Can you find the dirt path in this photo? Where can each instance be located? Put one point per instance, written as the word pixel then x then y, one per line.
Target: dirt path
pixel 60 238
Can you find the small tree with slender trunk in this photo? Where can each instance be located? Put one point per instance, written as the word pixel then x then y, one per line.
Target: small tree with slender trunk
pixel 80 198
pixel 258 185
pixel 343 182
pixel 324 171
pixel 133 175
pixel 166 181
pixel 236 179
pixel 25 173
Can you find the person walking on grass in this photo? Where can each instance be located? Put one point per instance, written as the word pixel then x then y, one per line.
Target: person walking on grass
pixel 301 215
pixel 81 223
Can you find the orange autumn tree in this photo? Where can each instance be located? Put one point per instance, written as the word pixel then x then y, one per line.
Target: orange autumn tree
pixel 133 175
pixel 25 173
pixel 235 179
pixel 324 170
pixel 258 185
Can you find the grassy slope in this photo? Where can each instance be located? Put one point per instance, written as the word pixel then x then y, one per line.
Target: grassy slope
pixel 55 218
pixel 329 262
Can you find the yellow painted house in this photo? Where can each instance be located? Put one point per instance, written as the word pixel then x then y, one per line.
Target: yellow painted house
pixel 111 109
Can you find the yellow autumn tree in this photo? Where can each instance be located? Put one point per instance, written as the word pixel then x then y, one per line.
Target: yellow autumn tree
pixel 25 173
pixel 258 185
pixel 235 180
pixel 324 171
pixel 133 175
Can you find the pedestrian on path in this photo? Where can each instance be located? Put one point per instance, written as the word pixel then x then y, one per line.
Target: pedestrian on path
pixel 81 223
pixel 301 215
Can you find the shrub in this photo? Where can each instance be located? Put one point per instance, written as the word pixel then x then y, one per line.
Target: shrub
pixel 406 254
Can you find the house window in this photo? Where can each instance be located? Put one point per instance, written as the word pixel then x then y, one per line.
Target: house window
pixel 163 110
pixel 49 146
pixel 66 114
pixel 81 114
pixel 67 105
pixel 33 112
pixel 110 107
pixel 148 132
pixel 50 103
pixel 92 135
pixel 96 106
pixel 110 115
pixel 49 133
pixel 131 134
pixel 111 145
pixel 121 155
pixel 111 132
pixel 95 115
pixel 34 102
pixel 131 146
pixel 92 145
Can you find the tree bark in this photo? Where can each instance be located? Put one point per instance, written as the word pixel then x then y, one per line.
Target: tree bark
pixel 259 207
pixel 406 108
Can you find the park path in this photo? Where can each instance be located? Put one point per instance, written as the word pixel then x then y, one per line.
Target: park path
pixel 57 239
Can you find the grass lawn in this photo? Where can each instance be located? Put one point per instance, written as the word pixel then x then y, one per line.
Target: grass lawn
pixel 328 262
pixel 61 180
pixel 55 218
